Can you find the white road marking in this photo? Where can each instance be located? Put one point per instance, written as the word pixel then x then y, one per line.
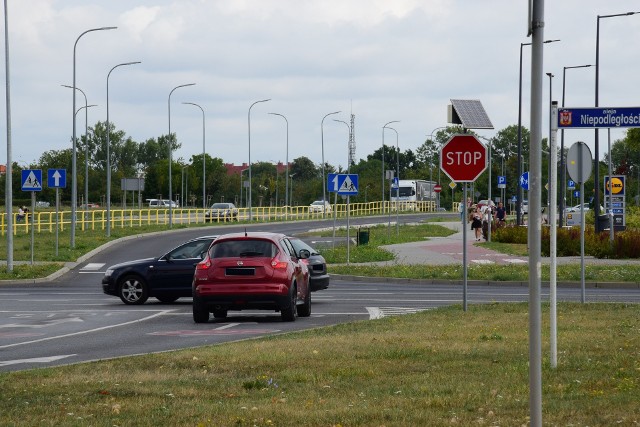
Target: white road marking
pixel 35 360
pixel 47 323
pixel 516 261
pixel 482 261
pixel 93 266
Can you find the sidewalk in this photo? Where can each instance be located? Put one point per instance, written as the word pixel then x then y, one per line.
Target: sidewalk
pixel 449 250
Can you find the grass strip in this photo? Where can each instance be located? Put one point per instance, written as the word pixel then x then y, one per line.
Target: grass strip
pixel 439 368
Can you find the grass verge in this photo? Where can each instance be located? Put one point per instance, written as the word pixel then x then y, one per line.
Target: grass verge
pixel 437 368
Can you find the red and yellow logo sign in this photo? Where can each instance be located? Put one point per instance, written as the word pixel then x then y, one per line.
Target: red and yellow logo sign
pixel 617 184
pixel 565 118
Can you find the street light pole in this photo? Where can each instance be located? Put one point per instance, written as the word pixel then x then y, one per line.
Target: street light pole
pixel 382 154
pixel 86 145
pixel 549 183
pixel 74 178
pixel 286 184
pixel 563 166
pixel 519 172
pixel 108 149
pixel 8 180
pixel 324 183
pixel 171 154
pixel 249 126
pixel 431 139
pixel 596 154
pixel 204 168
pixel 398 177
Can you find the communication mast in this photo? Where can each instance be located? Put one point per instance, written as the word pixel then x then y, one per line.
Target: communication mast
pixel 352 142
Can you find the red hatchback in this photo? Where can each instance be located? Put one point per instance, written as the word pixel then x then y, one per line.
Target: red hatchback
pixel 245 271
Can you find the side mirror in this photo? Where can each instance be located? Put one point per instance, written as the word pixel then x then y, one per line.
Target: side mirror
pixel 304 254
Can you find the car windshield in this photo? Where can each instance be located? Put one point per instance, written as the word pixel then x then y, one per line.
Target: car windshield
pixel 220 206
pixel 244 248
pixel 318 203
pixel 299 244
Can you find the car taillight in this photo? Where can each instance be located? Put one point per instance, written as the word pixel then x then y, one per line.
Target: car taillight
pixel 204 264
pixel 278 265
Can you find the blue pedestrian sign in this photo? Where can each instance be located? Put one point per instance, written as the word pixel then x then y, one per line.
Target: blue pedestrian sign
pixel 576 193
pixel 394 183
pixel 31 180
pixel 524 181
pixel 343 184
pixel 57 178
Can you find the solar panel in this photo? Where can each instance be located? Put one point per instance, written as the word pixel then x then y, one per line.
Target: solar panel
pixel 470 114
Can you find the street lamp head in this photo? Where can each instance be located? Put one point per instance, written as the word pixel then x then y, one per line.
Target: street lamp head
pixel 550 74
pixel 551 41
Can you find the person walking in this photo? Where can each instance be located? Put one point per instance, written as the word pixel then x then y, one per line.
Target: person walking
pixel 500 216
pixel 476 222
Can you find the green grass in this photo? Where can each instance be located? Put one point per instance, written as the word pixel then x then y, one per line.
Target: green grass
pixel 518 273
pixel 437 368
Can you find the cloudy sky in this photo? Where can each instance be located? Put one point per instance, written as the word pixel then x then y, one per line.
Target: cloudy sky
pixel 382 60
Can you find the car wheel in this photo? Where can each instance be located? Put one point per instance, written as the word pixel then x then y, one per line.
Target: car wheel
pixel 200 312
pixel 167 299
pixel 290 312
pixel 220 314
pixel 133 290
pixel 304 310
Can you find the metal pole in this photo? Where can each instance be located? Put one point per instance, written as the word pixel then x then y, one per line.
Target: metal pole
pixel 611 230
pixel 286 184
pixel 171 154
pixel 397 176
pixel 324 184
pixel 553 194
pixel 108 150
pixel 534 229
pixel 464 248
pixel 74 186
pixel 249 127
pixel 8 194
pixel 382 154
pixel 204 167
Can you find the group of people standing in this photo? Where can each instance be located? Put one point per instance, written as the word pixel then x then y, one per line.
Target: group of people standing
pixel 479 217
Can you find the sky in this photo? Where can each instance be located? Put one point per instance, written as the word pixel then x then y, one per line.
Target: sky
pixel 381 60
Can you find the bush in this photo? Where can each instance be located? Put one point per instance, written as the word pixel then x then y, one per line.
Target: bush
pixel 510 234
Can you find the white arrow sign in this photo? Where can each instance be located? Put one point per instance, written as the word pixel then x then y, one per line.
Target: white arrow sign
pixel 47 359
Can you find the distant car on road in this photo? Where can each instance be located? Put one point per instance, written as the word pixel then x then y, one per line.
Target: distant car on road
pixel 244 271
pixel 221 212
pixel 587 207
pixel 319 207
pixel 167 277
pixel 318 276
pixel 162 203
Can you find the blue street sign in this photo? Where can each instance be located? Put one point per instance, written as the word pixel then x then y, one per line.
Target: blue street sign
pixel 576 193
pixel 524 181
pixel 514 199
pixel 394 183
pixel 571 185
pixel 601 117
pixel 502 180
pixel 343 184
pixel 57 178
pixel 31 180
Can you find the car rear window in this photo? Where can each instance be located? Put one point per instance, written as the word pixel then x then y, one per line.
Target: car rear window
pixel 244 248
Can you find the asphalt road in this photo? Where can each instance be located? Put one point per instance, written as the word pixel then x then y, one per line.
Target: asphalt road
pixel 70 320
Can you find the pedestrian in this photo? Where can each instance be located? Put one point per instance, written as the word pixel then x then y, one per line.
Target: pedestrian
pixel 476 222
pixel 21 214
pixel 500 216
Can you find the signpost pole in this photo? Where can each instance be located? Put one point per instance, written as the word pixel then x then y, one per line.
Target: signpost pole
pixel 57 217
pixel 553 198
pixel 464 249
pixel 33 218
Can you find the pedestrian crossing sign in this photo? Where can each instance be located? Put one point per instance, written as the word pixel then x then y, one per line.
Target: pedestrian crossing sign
pixel 31 180
pixel 343 184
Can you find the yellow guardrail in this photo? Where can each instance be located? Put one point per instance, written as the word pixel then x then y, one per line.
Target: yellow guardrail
pixel 96 219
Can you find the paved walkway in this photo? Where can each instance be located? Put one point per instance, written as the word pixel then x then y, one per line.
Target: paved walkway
pixel 449 250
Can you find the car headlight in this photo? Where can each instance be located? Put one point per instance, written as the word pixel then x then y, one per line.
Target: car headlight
pixel 108 273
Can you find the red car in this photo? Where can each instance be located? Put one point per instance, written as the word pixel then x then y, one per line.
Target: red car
pixel 244 271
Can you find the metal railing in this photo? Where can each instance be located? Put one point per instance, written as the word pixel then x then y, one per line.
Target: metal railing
pixel 96 219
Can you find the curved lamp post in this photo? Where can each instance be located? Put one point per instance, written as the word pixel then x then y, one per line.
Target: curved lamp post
pixel 86 147
pixel 109 148
pixel 204 169
pixel 74 187
pixel 324 184
pixel 398 177
pixel 383 127
pixel 349 135
pixel 85 108
pixel 596 153
pixel 171 153
pixel 249 127
pixel 286 185
pixel 562 161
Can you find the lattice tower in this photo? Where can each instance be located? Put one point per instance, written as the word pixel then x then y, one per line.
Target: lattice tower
pixel 352 142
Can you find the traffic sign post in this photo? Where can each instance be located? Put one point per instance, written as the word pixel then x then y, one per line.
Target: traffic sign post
pixel 57 178
pixel 31 181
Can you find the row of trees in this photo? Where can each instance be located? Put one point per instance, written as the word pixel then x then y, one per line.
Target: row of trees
pixel 149 159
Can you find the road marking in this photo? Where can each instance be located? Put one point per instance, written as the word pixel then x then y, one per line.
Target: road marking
pixel 516 261
pixel 35 360
pixel 380 312
pixel 47 323
pixel 160 313
pixel 482 261
pixel 92 266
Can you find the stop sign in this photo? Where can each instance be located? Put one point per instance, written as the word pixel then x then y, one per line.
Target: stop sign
pixel 437 188
pixel 463 158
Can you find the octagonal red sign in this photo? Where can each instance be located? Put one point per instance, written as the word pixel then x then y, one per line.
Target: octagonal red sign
pixel 463 158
